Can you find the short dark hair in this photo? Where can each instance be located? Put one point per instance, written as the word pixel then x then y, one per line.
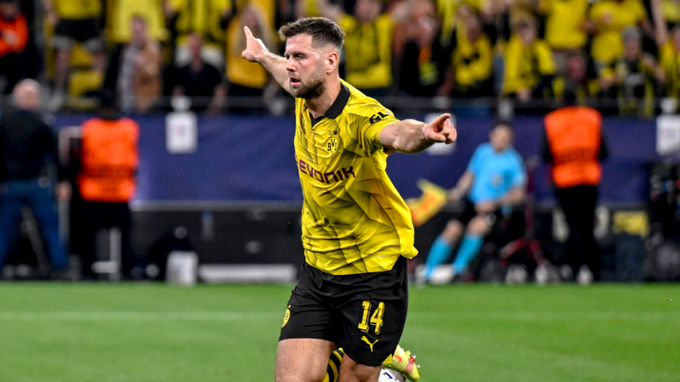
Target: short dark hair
pixel 323 31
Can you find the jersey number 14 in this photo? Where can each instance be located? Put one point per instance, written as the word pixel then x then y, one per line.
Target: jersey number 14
pixel 376 319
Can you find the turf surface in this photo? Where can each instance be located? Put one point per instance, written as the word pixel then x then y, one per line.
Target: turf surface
pixel 147 332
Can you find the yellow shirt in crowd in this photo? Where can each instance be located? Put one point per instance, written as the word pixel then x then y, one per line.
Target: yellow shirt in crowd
pixel 524 66
pixel 368 51
pixel 200 16
pixel 78 9
pixel 122 11
pixel 472 60
pixel 447 10
pixel 671 10
pixel 607 43
pixel 353 219
pixel 669 59
pixel 240 71
pixel 564 26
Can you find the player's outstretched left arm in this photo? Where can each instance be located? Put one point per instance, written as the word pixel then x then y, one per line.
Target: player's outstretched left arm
pixel 410 136
pixel 256 51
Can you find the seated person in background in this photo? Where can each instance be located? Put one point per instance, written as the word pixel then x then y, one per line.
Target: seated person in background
pixel 423 63
pixel 135 70
pixel 634 76
pixel 493 182
pixel 470 72
pixel 199 80
pixel 368 42
pixel 13 40
pixel 73 21
pixel 669 49
pixel 529 65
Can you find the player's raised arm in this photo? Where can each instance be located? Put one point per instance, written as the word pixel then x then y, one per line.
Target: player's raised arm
pixel 410 136
pixel 256 51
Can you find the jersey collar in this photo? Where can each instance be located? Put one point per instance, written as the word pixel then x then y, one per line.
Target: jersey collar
pixel 336 108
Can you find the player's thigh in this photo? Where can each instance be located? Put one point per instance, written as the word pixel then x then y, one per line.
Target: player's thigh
pixel 352 371
pixel 302 359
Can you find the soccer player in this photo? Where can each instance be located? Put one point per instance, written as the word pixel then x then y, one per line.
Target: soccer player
pixel 356 229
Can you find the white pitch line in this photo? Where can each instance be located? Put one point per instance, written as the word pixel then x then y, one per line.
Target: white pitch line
pixel 139 316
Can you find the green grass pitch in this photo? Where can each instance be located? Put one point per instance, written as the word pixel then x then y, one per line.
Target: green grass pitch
pixel 149 332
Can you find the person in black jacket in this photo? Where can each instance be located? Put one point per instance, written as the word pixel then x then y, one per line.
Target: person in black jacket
pixel 28 147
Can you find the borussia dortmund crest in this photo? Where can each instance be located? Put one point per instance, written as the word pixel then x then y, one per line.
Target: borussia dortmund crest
pixel 332 143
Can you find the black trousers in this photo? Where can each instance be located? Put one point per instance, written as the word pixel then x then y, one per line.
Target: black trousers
pixel 578 204
pixel 12 68
pixel 92 217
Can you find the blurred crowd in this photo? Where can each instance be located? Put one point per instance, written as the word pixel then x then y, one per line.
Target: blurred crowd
pixel 624 53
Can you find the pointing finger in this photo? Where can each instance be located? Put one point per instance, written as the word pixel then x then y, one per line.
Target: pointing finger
pixel 248 33
pixel 440 120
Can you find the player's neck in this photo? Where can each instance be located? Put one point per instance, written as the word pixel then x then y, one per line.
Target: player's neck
pixel 318 106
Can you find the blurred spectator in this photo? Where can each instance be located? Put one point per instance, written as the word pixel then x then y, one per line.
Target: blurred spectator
pixel 73 22
pixel 565 29
pixel 106 165
pixel 135 70
pixel 407 28
pixel 471 62
pixel 368 42
pixel 452 12
pixel 13 39
pixel 119 14
pixel 424 62
pixel 634 76
pixel 576 80
pixel 529 65
pixel 246 79
pixel 573 145
pixel 493 182
pixel 669 50
pixel 609 18
pixel 28 147
pixel 207 18
pixel 199 80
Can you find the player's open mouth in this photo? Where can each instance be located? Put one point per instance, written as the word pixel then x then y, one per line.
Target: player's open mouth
pixel 294 82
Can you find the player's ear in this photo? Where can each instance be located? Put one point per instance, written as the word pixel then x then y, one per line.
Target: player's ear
pixel 332 61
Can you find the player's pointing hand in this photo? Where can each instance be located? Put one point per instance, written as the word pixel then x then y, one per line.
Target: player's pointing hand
pixel 255 48
pixel 441 130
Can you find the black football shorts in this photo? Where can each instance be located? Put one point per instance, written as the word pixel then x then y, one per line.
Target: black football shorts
pixel 364 313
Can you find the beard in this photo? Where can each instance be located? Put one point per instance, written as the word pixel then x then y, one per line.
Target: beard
pixel 311 90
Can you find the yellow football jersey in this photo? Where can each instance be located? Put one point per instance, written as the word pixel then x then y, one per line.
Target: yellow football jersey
pixel 353 219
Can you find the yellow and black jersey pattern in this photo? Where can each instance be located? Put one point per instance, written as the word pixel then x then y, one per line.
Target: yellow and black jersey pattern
pixel 353 219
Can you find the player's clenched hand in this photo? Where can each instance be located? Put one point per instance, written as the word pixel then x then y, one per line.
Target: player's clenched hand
pixel 255 48
pixel 441 130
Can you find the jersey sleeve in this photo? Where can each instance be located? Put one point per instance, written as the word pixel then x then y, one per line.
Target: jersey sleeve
pixel 369 122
